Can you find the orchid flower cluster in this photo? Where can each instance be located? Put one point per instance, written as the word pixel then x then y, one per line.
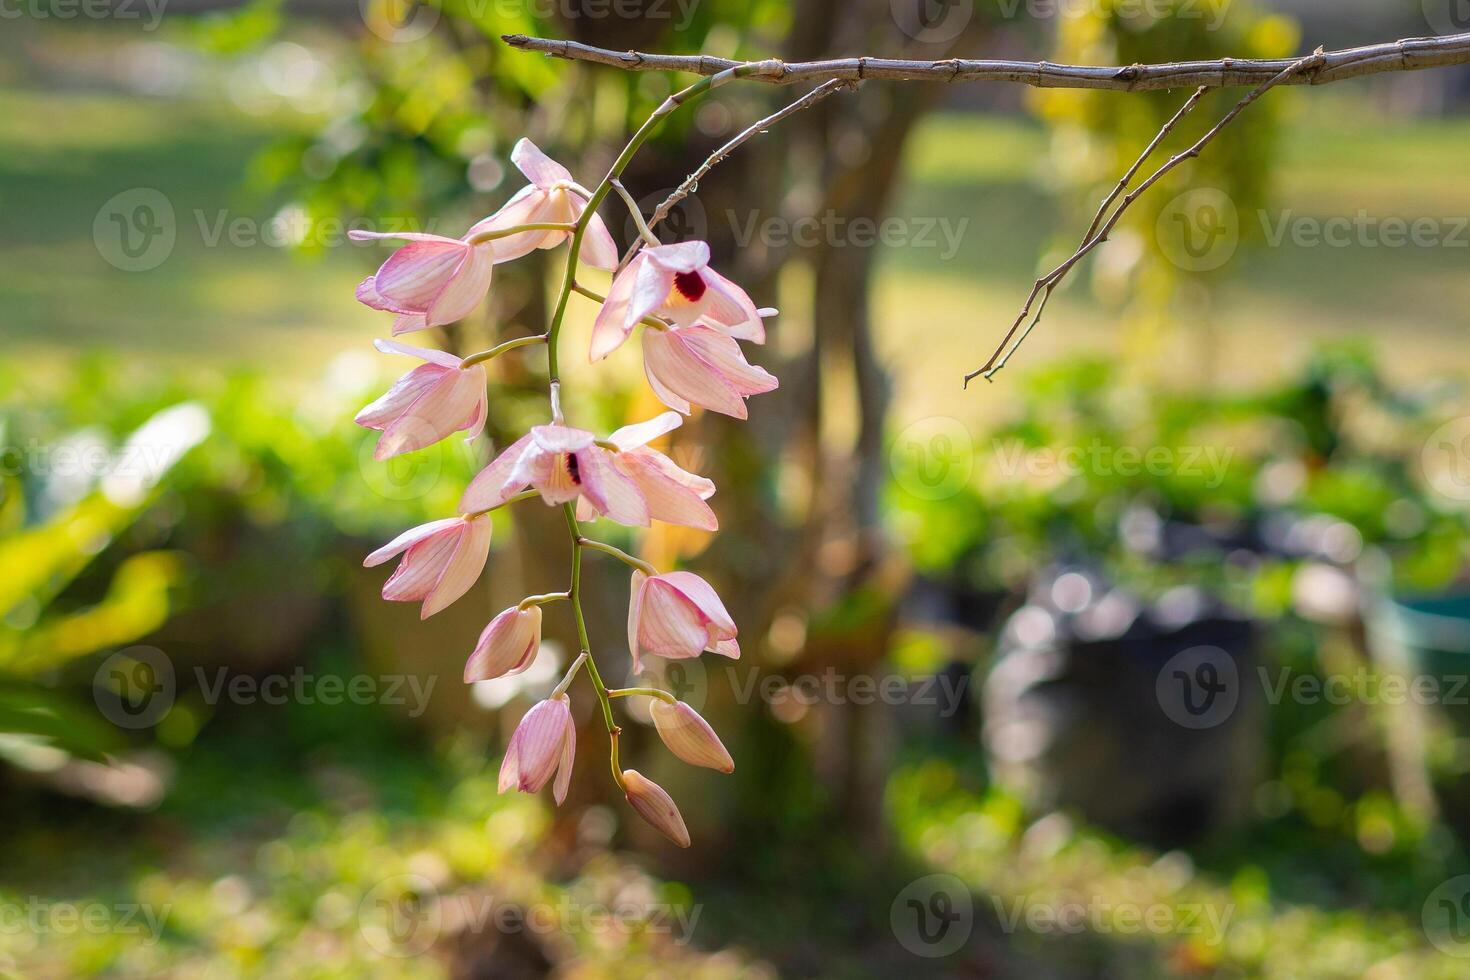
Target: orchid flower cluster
pixel 692 318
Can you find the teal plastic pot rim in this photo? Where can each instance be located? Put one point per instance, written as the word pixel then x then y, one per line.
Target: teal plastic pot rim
pixel 1438 623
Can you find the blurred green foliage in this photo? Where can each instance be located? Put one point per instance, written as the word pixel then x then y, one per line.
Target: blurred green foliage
pixel 1058 481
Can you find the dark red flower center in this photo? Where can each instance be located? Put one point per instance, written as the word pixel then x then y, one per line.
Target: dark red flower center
pixel 690 285
pixel 573 470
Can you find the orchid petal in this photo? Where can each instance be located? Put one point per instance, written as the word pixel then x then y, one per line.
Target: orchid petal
pixel 539 168
pixel 690 377
pixel 610 490
pixel 465 289
pixel 704 598
pixel 416 274
pixel 463 568
pixel 407 539
pixel 732 308
pixel 564 765
pixel 608 330
pixel 679 256
pixel 493 485
pixel 421 568
pixel 642 433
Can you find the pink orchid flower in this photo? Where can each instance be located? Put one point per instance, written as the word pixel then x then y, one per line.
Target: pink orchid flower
pixel 562 463
pixel 677 615
pixel 506 646
pixel 427 404
pixel 628 482
pixel 545 742
pixel 429 282
pixel 699 365
pixel 676 283
pixel 551 196
pixel 441 560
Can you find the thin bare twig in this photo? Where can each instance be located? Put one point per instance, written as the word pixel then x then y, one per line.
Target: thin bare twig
pixel 1048 283
pixel 1409 54
pixel 1096 235
pixel 691 183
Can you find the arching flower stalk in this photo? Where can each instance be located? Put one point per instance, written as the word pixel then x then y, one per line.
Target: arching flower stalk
pixel 694 318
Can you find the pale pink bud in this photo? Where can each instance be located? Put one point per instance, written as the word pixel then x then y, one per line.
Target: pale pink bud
pixel 507 645
pixel 673 282
pixel 441 560
pixel 698 365
pixel 552 196
pixel 429 282
pixel 655 806
pixel 428 403
pixel 545 742
pixel 677 615
pixel 689 736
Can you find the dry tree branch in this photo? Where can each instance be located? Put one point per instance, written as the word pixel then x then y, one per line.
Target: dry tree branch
pixel 1048 283
pixel 1319 68
pixel 1409 54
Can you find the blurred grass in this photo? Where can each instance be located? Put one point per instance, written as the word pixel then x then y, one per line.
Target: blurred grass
pixel 65 154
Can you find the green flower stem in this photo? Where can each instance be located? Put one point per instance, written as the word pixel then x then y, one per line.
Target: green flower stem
pixel 596 297
pixel 643 230
pixel 499 349
pixel 619 554
pixel 553 371
pixel 646 692
pixel 541 600
pixel 489 236
pixel 523 495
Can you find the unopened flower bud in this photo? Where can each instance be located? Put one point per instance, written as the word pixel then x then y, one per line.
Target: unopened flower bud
pixel 655 806
pixel 689 736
